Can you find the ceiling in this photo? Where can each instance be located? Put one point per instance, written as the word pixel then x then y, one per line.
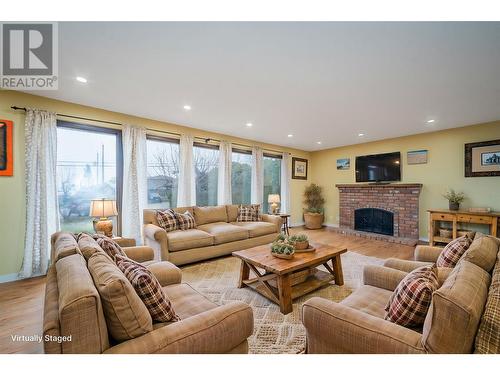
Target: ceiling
pixel 321 82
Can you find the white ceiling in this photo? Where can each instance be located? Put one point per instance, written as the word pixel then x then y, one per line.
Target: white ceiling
pixel 318 81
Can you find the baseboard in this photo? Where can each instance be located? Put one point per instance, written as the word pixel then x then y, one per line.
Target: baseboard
pixel 331 225
pixel 299 224
pixel 9 277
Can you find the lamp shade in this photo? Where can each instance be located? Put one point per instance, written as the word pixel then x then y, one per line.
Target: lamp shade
pixel 103 208
pixel 273 198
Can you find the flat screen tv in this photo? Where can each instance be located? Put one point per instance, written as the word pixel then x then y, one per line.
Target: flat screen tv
pixel 378 168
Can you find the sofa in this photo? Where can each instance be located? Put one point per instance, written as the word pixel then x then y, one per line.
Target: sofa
pixel 217 233
pixel 81 282
pixel 462 318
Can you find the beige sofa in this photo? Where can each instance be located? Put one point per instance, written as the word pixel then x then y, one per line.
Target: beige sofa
pixel 76 307
pixel 457 321
pixel 217 233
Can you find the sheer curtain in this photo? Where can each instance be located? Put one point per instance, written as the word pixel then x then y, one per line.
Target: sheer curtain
pixel 224 173
pixel 286 176
pixel 134 181
pixel 42 217
pixel 257 175
pixel 186 195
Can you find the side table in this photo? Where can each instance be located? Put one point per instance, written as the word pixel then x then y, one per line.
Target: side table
pixel 285 227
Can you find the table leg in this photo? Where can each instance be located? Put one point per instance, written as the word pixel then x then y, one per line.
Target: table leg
pixel 337 270
pixel 285 293
pixel 244 274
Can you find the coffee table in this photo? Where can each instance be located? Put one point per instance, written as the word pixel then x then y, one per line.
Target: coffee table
pixel 283 280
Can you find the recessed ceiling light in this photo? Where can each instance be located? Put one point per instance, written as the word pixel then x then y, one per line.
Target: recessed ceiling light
pixel 431 121
pixel 361 134
pixel 187 107
pixel 81 79
pixel 249 124
pixel 290 135
pixel 319 142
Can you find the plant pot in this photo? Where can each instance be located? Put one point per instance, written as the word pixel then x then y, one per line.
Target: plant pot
pixel 301 245
pixel 313 220
pixel 454 206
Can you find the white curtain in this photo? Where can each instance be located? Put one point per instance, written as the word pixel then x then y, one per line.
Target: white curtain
pixel 224 173
pixel 42 217
pixel 257 175
pixel 286 176
pixel 186 194
pixel 134 181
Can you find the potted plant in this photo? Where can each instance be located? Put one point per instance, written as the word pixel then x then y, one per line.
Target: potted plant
pixel 300 241
pixel 314 201
pixel 454 199
pixel 282 249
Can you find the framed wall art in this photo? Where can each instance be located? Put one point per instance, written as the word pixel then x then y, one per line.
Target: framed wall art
pixel 482 159
pixel 299 169
pixel 6 148
pixel 343 164
pixel 417 157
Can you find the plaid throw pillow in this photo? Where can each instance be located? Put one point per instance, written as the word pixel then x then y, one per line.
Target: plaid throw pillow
pixel 148 289
pixel 167 220
pixel 247 213
pixel 452 252
pixel 109 246
pixel 410 301
pixel 185 221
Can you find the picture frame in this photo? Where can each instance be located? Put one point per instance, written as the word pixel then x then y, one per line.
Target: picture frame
pixel 482 159
pixel 417 157
pixel 343 164
pixel 6 148
pixel 299 168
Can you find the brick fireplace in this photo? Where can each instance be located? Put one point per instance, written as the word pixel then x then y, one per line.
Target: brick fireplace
pixel 399 202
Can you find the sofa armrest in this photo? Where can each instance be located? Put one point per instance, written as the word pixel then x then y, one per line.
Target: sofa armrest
pixel 382 277
pixel 167 273
pixel 214 331
pixel 335 328
pixel 139 253
pixel 404 265
pixel 425 253
pixel 156 238
pixel 274 219
pixel 125 242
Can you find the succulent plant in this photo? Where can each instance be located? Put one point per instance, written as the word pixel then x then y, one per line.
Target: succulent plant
pixel 282 247
pixel 298 238
pixel 281 237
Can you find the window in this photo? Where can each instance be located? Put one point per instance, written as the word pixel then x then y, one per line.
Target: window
pixel 206 164
pixel 88 167
pixel 241 177
pixel 272 178
pixel 163 172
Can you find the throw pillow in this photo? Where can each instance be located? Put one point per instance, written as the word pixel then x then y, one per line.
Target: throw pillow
pixel 109 246
pixel 148 289
pixel 167 220
pixel 452 252
pixel 412 297
pixel 185 221
pixel 246 213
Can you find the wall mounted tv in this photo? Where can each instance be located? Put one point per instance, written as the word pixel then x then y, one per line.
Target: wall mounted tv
pixel 378 168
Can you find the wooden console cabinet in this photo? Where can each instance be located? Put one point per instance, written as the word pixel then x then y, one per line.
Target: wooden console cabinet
pixel 455 218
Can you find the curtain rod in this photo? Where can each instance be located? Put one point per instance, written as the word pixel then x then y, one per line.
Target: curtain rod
pixel 206 140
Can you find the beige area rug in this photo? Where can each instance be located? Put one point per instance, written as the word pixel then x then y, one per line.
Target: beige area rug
pixel 273 331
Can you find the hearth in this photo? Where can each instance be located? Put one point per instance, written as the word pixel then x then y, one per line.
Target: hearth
pixel 374 220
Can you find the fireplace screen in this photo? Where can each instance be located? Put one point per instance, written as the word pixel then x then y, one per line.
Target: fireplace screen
pixel 374 220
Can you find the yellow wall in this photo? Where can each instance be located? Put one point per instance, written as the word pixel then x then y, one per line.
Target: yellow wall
pixel 445 169
pixel 12 189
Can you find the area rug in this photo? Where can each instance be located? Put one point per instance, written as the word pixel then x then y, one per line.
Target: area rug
pixel 274 332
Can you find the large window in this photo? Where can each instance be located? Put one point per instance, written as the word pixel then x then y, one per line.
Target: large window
pixel 206 163
pixel 88 168
pixel 241 177
pixel 163 172
pixel 272 178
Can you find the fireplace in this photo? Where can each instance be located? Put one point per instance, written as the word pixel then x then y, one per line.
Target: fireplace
pixel 374 220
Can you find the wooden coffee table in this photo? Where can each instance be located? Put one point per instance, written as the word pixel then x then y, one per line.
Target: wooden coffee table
pixel 284 280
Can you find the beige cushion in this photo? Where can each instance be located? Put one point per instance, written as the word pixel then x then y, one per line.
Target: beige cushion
pixel 166 272
pixel 232 212
pixel 369 299
pixel 224 232
pixel 210 214
pixel 63 245
pixel 257 228
pixel 80 310
pixel 453 317
pixel 186 301
pixel 482 252
pixel 126 315
pixel 51 313
pixel 89 246
pixel 188 239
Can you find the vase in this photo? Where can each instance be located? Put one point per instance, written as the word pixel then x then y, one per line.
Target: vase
pixel 454 206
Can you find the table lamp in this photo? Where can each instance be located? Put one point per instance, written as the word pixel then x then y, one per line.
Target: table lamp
pixel 103 208
pixel 274 200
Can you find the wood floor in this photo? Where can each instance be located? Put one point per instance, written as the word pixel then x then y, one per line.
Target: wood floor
pixel 21 302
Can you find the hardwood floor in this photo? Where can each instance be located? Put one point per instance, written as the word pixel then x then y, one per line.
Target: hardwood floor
pixel 21 302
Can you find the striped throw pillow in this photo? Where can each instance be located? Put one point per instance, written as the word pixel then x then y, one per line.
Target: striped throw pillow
pixel 411 299
pixel 148 289
pixel 167 220
pixel 452 252
pixel 185 221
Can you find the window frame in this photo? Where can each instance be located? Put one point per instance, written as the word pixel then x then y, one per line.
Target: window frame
pixel 119 159
pixel 271 156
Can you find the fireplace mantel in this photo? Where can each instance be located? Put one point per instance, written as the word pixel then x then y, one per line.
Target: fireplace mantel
pixel 374 185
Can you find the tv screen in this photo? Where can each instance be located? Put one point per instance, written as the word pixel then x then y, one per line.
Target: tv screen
pixel 378 168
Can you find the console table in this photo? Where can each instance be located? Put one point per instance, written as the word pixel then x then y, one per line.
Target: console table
pixel 455 218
